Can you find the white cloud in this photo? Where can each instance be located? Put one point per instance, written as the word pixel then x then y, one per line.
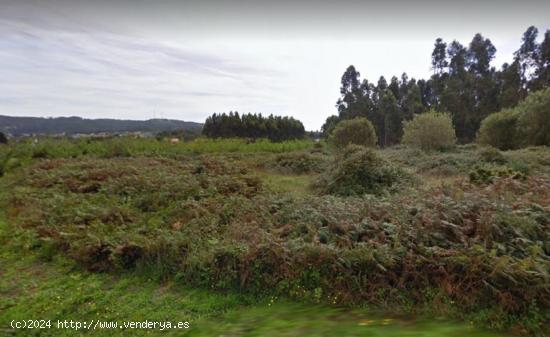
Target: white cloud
pixel 58 64
pixel 56 72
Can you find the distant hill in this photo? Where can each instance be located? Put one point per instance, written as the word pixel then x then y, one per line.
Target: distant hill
pixel 17 126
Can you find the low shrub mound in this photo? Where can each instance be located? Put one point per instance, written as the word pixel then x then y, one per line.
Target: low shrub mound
pixel 358 131
pixel 358 170
pixel 430 131
pixel 492 155
pixel 300 162
pixel 500 130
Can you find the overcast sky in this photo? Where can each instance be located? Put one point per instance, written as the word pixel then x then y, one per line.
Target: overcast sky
pixel 141 59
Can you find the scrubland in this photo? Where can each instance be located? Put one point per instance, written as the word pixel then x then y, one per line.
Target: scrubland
pixel 462 234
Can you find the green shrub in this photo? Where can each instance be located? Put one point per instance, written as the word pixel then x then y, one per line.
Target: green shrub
pixel 358 170
pixel 520 166
pixel 11 163
pixel 430 131
pixel 358 131
pixel 492 155
pixel 116 148
pixel 488 174
pixel 3 138
pixel 40 152
pixel 525 125
pixel 500 130
pixel 534 119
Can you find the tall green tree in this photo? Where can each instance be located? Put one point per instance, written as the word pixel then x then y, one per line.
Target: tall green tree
pixel 480 54
pixel 457 55
pixel 426 93
pixel 542 73
pixel 329 125
pixel 380 90
pixel 510 81
pixel 411 101
pixel 349 89
pixel 392 119
pixel 439 56
pixel 365 103
pixel 394 87
pixel 527 57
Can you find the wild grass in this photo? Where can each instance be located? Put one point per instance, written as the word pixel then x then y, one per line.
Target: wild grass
pixel 295 185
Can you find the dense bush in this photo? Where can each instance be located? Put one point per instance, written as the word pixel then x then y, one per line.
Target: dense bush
pixel 430 131
pixel 500 130
pixel 3 138
pixel 525 125
pixel 357 131
pixel 358 170
pixel 534 119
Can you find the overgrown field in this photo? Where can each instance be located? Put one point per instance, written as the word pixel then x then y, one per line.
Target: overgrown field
pixel 25 151
pixel 463 233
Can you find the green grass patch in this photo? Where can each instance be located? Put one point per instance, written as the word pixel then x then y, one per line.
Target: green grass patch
pixel 298 320
pixel 296 185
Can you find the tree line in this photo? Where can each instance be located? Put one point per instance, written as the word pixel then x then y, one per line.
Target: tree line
pixel 463 83
pixel 275 128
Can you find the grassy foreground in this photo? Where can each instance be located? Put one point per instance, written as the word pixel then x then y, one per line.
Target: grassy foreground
pixel 31 288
